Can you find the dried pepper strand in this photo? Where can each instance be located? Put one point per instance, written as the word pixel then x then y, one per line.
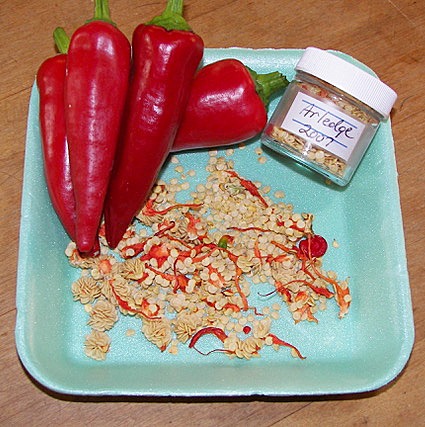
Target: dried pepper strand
pixel 126 306
pixel 209 330
pixel 280 342
pixel 149 210
pixel 250 186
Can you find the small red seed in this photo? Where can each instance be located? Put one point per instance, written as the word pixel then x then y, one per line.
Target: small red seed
pixel 246 329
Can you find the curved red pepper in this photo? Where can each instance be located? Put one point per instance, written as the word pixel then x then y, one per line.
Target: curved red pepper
pixel 96 84
pixel 165 60
pixel 228 104
pixel 50 83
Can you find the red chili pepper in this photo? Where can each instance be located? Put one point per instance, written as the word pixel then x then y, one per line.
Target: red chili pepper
pixel 50 83
pixel 228 104
pixel 98 67
pixel 166 54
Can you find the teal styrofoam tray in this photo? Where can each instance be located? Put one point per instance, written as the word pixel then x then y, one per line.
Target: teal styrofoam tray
pixel 362 352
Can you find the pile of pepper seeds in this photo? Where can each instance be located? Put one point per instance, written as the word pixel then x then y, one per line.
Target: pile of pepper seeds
pixel 323 158
pixel 187 270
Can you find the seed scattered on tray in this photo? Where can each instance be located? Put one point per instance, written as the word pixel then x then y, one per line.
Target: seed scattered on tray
pixel 188 269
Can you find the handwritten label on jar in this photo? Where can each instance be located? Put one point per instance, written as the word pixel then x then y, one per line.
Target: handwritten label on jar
pixel 322 125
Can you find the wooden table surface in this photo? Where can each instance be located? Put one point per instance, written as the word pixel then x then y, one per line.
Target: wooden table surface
pixel 387 35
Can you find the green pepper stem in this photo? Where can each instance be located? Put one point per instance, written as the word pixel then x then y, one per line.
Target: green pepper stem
pixel 268 84
pixel 61 40
pixel 174 7
pixel 172 17
pixel 102 12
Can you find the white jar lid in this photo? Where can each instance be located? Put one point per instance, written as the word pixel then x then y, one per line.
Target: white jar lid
pixel 348 78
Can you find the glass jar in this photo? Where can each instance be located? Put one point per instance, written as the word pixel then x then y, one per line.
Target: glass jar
pixel 328 115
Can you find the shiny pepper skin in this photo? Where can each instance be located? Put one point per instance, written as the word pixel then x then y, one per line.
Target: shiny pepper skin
pixel 50 83
pixel 164 64
pixel 227 105
pixel 98 67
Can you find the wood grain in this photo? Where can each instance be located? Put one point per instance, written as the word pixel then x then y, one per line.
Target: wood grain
pixel 387 35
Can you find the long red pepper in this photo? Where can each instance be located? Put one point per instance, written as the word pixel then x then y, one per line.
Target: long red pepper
pixel 50 83
pixel 228 104
pixel 166 54
pixel 98 67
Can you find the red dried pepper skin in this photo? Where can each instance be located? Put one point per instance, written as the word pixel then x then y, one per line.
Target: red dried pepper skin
pixel 96 84
pixel 314 246
pixel 228 104
pixel 50 83
pixel 164 65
